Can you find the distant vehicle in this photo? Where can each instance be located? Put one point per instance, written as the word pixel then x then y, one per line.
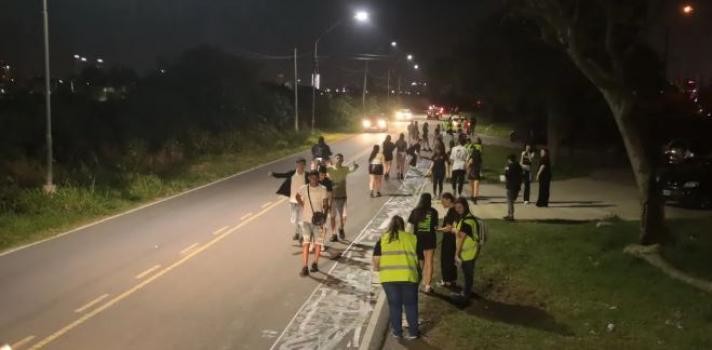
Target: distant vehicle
pixel 677 151
pixel 404 114
pixel 460 122
pixel 374 123
pixel 435 112
pixel 688 183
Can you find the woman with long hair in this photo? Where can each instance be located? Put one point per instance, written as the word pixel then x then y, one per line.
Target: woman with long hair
pixel 388 148
pixel 543 176
pixel 375 171
pixel 394 259
pixel 425 221
pixel 401 149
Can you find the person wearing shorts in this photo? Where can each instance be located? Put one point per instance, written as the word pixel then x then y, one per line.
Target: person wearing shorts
pixel 312 198
pixel 338 174
pixel 293 181
pixel 425 222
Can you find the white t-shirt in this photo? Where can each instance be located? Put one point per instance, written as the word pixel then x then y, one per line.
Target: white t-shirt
pixel 298 182
pixel 458 156
pixel 378 159
pixel 318 195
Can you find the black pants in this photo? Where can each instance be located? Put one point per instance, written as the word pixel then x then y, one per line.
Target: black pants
pixel 447 258
pixel 543 200
pixel 438 180
pixel 511 198
pixel 468 271
pixel 527 177
pixel 458 181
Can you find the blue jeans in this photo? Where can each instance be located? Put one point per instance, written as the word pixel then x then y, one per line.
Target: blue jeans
pixel 400 295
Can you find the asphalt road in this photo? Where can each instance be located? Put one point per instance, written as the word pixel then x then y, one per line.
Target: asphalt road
pixel 212 269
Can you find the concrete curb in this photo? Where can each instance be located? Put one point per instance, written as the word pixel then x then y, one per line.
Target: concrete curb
pixel 375 335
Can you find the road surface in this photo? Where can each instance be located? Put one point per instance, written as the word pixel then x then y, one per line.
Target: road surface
pixel 212 269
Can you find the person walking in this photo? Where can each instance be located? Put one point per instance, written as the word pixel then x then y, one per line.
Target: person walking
pixel 426 137
pixel 313 199
pixel 394 257
pixel 474 172
pixel 425 221
pixel 448 270
pixel 388 148
pixel 525 161
pixel 293 181
pixel 338 174
pixel 468 243
pixel 458 157
pixel 321 153
pixel 543 176
pixel 328 184
pixel 513 181
pixel 401 149
pixel 375 171
pixel 438 169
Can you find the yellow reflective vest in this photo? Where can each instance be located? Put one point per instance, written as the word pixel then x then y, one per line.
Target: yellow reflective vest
pixel 470 246
pixel 399 262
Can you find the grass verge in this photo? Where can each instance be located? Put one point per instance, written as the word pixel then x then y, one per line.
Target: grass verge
pixel 568 285
pixel 494 160
pixel 36 216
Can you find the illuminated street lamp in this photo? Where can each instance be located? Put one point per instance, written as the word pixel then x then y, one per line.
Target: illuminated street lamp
pixel 99 60
pixel 83 59
pixel 360 16
pixel 76 57
pixel 394 44
pixel 688 9
pixel 416 67
pixel 409 57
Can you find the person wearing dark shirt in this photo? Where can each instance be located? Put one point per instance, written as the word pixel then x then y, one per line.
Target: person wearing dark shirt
pixel 388 148
pixel 543 176
pixel 513 179
pixel 320 150
pixel 425 221
pixel 401 149
pixel 438 169
pixel 468 246
pixel 447 245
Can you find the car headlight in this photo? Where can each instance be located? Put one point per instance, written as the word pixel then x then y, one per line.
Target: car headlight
pixel 691 184
pixel 381 123
pixel 366 123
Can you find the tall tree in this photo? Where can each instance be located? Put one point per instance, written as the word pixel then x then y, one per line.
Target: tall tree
pixel 605 41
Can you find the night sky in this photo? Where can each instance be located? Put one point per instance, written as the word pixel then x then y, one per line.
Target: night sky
pixel 136 32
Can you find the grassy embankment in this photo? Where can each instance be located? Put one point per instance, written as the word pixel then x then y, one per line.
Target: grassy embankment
pixel 568 285
pixel 29 215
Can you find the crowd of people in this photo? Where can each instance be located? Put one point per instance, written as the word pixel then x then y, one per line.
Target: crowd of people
pixel 404 255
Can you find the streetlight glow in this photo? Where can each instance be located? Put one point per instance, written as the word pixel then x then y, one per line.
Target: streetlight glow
pixel 361 16
pixel 416 67
pixel 99 60
pixel 394 44
pixel 688 9
pixel 76 57
pixel 410 57
pixel 83 59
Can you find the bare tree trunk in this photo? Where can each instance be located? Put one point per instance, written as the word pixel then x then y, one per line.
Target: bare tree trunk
pixel 652 220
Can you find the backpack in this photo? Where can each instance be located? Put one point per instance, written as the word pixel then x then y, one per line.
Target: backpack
pixel 481 232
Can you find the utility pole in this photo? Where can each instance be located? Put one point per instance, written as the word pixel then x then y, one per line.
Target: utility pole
pixel 296 93
pixel 49 186
pixel 314 79
pixel 388 86
pixel 365 82
pixel 399 84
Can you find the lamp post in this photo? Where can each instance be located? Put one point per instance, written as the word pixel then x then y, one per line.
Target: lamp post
pixel 49 185
pixel 686 10
pixel 359 16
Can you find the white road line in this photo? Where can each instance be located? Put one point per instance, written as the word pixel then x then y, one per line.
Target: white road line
pixel 221 230
pixel 151 269
pixel 266 205
pixel 245 216
pixel 189 248
pixel 91 303
pixel 22 342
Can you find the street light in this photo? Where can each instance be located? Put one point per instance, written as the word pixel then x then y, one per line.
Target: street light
pixel 49 185
pixel 688 9
pixel 409 57
pixel 99 60
pixel 416 67
pixel 83 59
pixel 76 57
pixel 394 44
pixel 360 16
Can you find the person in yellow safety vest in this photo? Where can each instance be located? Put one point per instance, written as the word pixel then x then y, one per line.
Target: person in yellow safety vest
pixel 467 246
pixel 395 259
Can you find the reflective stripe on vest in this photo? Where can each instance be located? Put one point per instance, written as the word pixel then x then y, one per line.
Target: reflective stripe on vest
pixel 469 245
pixel 399 262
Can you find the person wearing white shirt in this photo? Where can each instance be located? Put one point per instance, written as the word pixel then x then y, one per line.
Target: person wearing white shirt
pixel 458 159
pixel 312 198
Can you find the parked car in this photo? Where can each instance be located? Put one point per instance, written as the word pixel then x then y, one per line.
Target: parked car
pixel 374 123
pixel 435 112
pixel 689 183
